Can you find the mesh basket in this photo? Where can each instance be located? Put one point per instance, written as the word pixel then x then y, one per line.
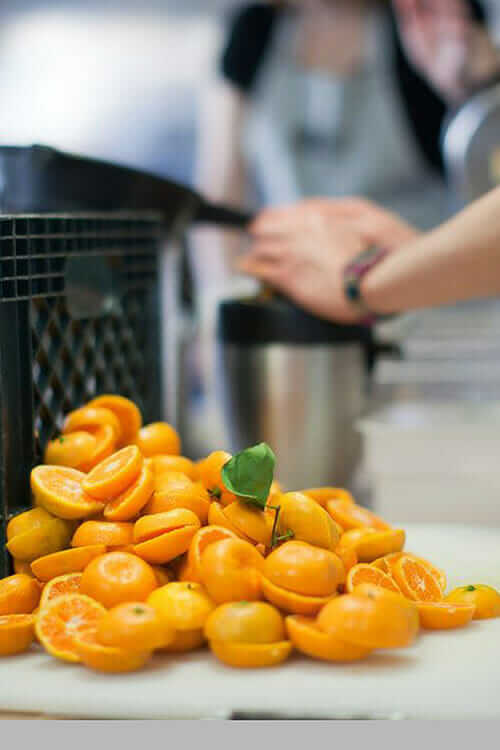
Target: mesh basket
pixel 78 317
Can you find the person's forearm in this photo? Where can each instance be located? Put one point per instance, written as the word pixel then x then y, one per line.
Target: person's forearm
pixel 458 261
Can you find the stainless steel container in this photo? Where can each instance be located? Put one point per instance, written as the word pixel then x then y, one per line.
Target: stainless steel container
pixel 471 146
pixel 297 383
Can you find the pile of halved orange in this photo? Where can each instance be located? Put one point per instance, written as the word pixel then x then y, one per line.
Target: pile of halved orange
pixel 132 548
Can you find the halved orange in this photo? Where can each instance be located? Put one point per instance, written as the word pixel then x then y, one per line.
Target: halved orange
pixel 105 446
pixel 115 474
pixel 416 580
pixel 134 626
pixel 66 561
pixel 178 491
pixel 185 640
pixel 165 547
pixel 152 526
pixel 69 583
pixel 289 601
pixel 88 418
pixel 364 573
pixel 323 494
pixel 65 618
pixel 352 516
pixel 158 438
pixel 16 633
pixel 371 544
pixel 109 533
pixel 129 504
pixel 348 556
pixel 387 562
pixel 217 517
pixel 164 464
pixel 251 655
pixel 74 450
pixel 307 638
pixel 127 412
pixel 19 595
pixel 60 490
pixel 201 540
pixel 108 659
pixel 444 615
pixel 251 522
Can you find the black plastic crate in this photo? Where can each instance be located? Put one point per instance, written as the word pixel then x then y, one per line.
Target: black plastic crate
pixel 79 316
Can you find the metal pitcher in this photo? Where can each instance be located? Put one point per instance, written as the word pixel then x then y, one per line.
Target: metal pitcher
pixel 297 382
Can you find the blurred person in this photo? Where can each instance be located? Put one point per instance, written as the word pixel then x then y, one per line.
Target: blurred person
pixel 332 97
pixel 350 260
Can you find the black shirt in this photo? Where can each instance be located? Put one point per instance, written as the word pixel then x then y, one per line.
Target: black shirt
pixel 250 37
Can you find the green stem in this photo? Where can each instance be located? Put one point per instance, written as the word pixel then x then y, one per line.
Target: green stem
pixel 277 509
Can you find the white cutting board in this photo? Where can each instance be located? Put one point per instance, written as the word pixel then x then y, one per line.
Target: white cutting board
pixel 453 675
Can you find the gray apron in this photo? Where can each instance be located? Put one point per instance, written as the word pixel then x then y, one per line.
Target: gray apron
pixel 310 133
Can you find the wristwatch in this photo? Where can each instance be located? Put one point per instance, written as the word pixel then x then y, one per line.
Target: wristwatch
pixel 353 274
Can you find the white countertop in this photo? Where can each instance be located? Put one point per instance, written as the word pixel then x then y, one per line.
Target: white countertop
pixel 445 675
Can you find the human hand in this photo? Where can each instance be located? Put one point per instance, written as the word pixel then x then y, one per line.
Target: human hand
pixel 445 43
pixel 302 250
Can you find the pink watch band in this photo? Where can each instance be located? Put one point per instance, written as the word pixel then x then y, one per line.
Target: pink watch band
pixel 353 274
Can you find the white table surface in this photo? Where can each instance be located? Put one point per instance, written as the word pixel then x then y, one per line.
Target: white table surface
pixel 445 675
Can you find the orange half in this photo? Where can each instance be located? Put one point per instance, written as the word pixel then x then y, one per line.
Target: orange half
pixel 60 490
pixel 443 615
pixel 16 633
pixel 311 641
pixel 251 655
pixel 67 561
pixel 115 474
pixel 64 619
pixel 288 601
pixel 364 573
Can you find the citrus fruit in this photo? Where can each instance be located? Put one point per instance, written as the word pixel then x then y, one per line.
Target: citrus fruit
pixel 109 533
pixel 88 418
pixel 307 638
pixel 126 411
pixel 291 602
pixel 161 537
pixel 109 659
pixel 65 618
pixel 118 577
pixel 19 595
pixel 105 446
pixel 59 490
pixel 134 626
pixel 69 583
pixel 387 562
pixel 165 464
pixel 158 438
pixel 182 606
pixel 178 491
pixel 307 521
pixel 485 599
pixel 75 450
pixel 209 473
pixel 371 544
pixel 185 640
pixel 444 615
pixel 363 573
pixel 66 561
pixel 114 475
pixel 200 541
pixel 352 516
pixel 249 522
pixel 16 633
pixel 304 569
pixel 371 617
pixel 131 502
pixel 217 517
pixel 323 494
pixel 248 634
pixel 230 570
pixel 416 580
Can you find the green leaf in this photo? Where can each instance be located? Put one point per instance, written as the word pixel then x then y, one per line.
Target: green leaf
pixel 249 474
